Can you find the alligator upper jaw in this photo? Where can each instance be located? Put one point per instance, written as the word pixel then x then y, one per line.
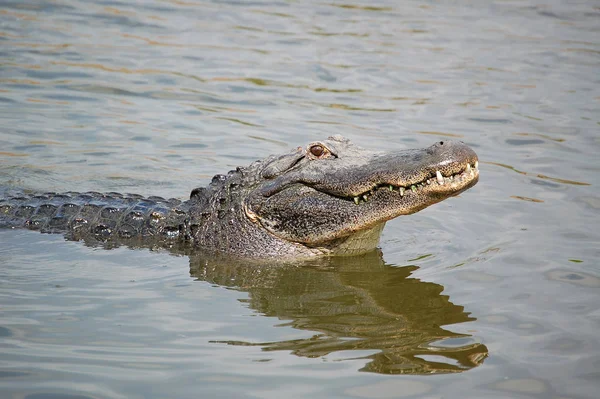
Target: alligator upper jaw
pixel 357 172
pixel 447 184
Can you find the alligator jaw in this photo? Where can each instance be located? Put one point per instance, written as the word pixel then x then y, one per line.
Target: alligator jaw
pixel 456 182
pixel 382 204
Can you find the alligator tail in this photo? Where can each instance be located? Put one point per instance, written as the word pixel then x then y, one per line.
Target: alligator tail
pixel 97 216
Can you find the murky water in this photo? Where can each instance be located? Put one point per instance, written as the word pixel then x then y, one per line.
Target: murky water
pixel 494 294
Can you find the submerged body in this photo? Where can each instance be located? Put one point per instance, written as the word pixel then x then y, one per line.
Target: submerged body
pixel 328 198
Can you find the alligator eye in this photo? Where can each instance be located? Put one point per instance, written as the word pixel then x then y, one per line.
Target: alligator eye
pixel 317 150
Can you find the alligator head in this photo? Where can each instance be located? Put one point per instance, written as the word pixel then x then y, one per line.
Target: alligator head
pixel 332 197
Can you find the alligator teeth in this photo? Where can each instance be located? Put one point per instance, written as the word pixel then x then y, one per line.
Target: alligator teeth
pixel 440 178
pixel 469 170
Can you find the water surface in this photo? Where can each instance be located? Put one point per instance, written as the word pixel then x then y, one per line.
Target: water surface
pixel 493 294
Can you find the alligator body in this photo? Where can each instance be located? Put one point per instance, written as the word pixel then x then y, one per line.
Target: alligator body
pixel 328 198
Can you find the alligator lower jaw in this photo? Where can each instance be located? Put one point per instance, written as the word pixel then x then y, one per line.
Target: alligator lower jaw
pixel 452 184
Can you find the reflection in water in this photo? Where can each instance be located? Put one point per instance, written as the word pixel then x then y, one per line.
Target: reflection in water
pixel 355 303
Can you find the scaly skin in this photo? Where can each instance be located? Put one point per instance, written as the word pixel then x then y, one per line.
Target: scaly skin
pixel 328 198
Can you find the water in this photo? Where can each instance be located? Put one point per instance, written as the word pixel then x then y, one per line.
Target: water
pixel 495 293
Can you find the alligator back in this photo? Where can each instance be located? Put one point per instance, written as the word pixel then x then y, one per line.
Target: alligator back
pixel 95 216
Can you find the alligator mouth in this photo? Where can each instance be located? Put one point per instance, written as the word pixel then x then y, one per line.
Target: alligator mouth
pixel 459 181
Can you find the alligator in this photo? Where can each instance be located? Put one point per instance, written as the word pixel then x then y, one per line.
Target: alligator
pixel 328 198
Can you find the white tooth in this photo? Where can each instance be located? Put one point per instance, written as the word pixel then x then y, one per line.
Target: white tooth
pixel 365 197
pixel 476 164
pixel 440 178
pixel 468 167
pixel 428 181
pixel 356 200
pixel 401 191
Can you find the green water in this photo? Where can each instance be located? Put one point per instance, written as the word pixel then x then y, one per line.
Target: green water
pixel 492 294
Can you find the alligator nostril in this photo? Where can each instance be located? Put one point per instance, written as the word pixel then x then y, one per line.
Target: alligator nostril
pixel 441 143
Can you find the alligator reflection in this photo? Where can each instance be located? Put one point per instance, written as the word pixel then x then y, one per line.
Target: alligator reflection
pixel 356 303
